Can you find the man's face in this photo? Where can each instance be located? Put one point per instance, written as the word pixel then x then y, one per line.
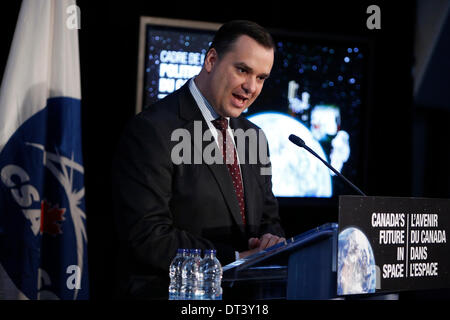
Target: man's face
pixel 237 77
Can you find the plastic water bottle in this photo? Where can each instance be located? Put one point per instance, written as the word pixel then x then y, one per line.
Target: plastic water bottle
pixel 189 274
pixel 210 277
pixel 175 273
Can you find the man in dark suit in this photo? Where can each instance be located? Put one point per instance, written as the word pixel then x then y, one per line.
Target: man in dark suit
pixel 165 198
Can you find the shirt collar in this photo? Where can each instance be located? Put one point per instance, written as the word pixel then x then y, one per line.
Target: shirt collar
pixel 206 108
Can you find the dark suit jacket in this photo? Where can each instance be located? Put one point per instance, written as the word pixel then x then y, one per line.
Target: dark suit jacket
pixel 161 206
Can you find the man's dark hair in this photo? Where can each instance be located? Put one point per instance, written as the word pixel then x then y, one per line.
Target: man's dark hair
pixel 230 31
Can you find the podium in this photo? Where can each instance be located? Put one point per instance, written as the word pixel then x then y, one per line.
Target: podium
pixel 302 268
pixel 382 245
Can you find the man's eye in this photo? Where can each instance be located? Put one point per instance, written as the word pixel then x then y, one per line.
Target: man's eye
pixel 241 70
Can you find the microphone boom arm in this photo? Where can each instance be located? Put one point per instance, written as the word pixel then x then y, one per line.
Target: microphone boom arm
pixel 299 142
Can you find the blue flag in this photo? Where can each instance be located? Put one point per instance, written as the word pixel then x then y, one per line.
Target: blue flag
pixel 43 242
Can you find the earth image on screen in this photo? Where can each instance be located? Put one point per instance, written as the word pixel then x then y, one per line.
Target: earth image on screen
pixel 356 263
pixel 295 172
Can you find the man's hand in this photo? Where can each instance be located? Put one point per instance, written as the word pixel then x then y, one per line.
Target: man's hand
pixel 255 245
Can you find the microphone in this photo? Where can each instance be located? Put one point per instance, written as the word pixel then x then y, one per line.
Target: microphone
pixel 299 142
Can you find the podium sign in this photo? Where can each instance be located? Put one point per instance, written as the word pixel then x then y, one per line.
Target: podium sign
pixel 389 244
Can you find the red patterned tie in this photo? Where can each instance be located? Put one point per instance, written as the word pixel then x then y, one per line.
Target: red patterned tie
pixel 228 151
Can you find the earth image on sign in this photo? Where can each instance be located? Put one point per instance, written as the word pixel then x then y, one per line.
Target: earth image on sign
pixel 356 263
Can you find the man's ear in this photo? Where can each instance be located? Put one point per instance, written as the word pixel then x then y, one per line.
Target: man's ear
pixel 211 59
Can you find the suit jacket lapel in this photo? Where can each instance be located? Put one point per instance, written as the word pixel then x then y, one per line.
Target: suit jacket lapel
pixel 196 125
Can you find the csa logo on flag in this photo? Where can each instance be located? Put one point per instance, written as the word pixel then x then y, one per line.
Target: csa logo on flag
pixel 42 221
